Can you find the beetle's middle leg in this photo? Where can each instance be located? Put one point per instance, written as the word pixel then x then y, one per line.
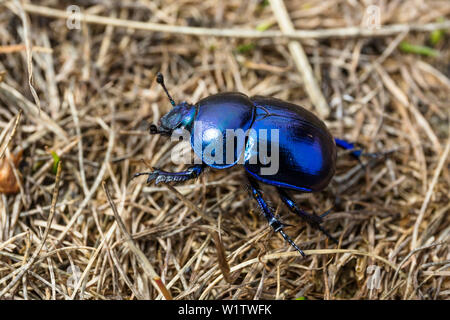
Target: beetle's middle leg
pixel 312 219
pixel 276 224
pixel 164 176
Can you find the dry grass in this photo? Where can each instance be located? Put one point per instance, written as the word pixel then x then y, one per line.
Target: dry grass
pixel 96 91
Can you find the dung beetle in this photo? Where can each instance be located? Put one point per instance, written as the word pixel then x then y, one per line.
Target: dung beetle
pixel 305 149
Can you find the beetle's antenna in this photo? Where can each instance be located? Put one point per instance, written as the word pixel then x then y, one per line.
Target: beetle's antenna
pixel 160 80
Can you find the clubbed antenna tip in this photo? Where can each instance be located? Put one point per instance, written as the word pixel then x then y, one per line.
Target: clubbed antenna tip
pixel 160 80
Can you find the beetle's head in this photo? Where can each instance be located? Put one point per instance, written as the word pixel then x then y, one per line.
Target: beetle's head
pixel 180 117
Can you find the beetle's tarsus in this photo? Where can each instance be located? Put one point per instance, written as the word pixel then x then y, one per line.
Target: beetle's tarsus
pixel 372 155
pixel 140 174
pixel 292 243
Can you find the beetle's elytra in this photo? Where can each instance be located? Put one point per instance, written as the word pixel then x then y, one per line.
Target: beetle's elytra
pixel 306 150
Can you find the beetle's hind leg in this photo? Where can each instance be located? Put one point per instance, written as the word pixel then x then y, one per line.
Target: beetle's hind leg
pixel 276 224
pixel 357 152
pixel 312 219
pixel 163 176
pixel 354 151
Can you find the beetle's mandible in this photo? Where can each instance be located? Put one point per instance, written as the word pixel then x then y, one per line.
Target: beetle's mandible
pixel 306 150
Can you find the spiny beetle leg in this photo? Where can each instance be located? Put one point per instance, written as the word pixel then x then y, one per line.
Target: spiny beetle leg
pixel 312 219
pixel 357 151
pixel 276 224
pixel 164 176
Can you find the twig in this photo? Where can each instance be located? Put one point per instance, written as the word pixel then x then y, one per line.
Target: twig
pixel 13 132
pixel 17 8
pixel 348 32
pixel 7 49
pixel 76 121
pixel 222 259
pixel 437 172
pixel 301 60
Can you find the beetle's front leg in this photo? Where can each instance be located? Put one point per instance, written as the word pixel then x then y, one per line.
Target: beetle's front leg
pixel 312 219
pixel 276 224
pixel 164 176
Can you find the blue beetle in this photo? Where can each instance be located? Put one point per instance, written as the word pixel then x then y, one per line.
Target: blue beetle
pixel 306 149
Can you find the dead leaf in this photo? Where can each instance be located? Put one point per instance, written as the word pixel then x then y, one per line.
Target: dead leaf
pixel 8 182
